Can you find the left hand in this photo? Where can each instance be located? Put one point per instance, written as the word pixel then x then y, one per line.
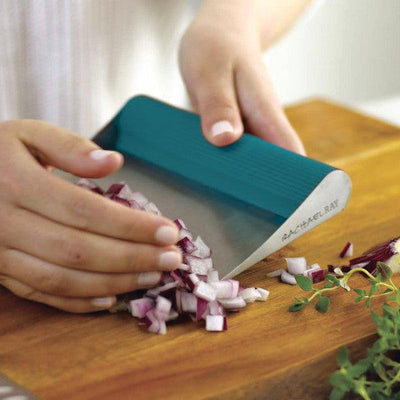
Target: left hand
pixel 228 83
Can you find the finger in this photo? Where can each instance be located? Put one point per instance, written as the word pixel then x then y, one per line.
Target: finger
pixel 213 96
pixel 66 150
pixel 262 112
pixel 74 305
pixel 66 203
pixel 57 280
pixel 68 247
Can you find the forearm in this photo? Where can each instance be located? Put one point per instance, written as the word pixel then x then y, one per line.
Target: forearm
pixel 267 19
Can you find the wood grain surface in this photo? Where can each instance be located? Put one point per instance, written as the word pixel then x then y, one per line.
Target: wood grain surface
pixel 267 353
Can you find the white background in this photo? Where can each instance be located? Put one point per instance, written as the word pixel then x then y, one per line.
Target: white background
pixel 347 51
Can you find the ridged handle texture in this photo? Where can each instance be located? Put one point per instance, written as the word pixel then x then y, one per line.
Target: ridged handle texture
pixel 251 170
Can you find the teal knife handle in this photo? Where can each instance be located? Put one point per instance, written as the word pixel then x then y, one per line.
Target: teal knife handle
pixel 252 170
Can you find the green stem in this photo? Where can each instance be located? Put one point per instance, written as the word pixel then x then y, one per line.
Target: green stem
pixel 395 378
pixel 319 292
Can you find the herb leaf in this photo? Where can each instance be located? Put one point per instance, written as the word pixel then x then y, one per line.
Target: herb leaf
pixel 304 282
pixel 322 304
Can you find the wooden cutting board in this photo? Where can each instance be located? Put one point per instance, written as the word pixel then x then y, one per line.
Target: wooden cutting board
pixel 267 353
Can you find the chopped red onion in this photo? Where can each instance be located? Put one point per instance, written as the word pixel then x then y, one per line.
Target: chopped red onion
pixel 296 265
pixel 193 289
pixel 315 273
pixel 140 307
pixel 264 294
pixel 198 265
pixel 184 233
pixel 191 281
pixel 163 307
pixel 386 252
pixel 216 323
pixel 188 302
pixel 227 289
pixel 215 308
pixel 90 185
pixel 212 276
pixel 186 245
pixel 249 295
pixel 317 276
pixel 180 224
pixel 138 198
pixel 274 274
pixel 288 278
pixel 202 306
pixel 151 207
pixel 202 250
pixel 233 304
pixel 205 291
pixel 347 250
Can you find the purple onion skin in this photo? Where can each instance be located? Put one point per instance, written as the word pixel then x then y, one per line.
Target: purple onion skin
pixel 381 252
pixel 344 251
pixel 318 276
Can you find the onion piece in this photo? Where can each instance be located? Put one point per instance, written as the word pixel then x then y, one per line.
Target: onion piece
pixel 140 307
pixel 232 304
pixel 264 294
pixel 202 250
pixel 296 265
pixel 204 291
pixel 216 323
pixel 288 278
pixel 198 265
pixel 152 208
pixel 186 245
pixel 188 302
pixel 347 250
pixel 90 185
pixel 212 276
pixel 274 274
pixel 250 295
pixel 163 308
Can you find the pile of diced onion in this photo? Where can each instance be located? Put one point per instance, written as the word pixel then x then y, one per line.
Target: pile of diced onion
pixel 194 289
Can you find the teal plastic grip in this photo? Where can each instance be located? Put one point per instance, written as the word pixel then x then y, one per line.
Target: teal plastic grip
pixel 252 170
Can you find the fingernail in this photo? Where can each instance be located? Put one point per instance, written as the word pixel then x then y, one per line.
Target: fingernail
pixel 103 302
pixel 170 260
pixel 167 234
pixel 100 154
pixel 221 127
pixel 149 278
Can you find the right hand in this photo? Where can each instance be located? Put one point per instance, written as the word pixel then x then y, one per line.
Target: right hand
pixel 63 245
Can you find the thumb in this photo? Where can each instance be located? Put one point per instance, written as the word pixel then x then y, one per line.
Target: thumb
pixel 67 151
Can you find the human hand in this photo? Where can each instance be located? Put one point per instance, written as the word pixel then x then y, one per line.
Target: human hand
pixel 63 245
pixel 221 63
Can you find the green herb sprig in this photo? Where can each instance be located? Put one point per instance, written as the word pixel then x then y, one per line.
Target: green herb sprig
pixel 377 376
pixel 383 280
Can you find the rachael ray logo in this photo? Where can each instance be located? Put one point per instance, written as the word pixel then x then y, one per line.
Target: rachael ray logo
pixel 311 220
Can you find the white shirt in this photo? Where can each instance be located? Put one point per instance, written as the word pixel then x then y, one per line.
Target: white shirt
pixel 75 62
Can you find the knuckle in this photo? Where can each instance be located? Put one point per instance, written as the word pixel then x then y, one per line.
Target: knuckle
pixel 54 282
pixel 79 205
pixel 70 142
pixel 73 252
